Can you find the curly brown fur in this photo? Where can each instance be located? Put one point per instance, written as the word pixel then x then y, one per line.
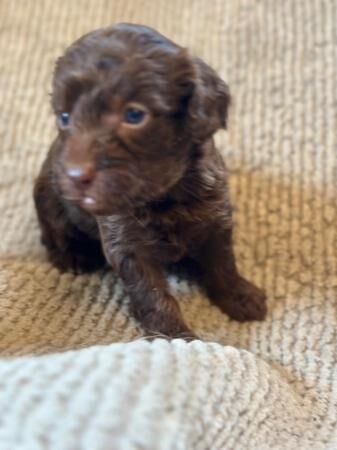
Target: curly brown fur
pixel 134 173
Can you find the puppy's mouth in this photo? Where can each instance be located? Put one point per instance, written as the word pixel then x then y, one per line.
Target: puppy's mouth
pixel 84 198
pixel 88 202
pixel 98 203
pixel 85 201
pixel 91 205
pixel 88 194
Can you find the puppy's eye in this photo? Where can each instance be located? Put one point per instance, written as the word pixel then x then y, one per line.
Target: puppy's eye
pixel 63 120
pixel 134 116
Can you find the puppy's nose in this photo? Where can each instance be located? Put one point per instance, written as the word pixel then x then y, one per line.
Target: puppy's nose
pixel 82 175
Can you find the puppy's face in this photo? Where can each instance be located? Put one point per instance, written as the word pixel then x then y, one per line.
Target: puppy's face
pixel 131 106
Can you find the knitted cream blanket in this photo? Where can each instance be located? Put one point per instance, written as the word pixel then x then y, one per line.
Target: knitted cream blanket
pixel 69 376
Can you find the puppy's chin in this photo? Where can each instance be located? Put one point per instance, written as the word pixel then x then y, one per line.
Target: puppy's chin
pixel 97 209
pixel 103 205
pixel 113 205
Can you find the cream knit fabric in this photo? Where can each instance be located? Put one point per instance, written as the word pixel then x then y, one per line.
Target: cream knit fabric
pixel 69 376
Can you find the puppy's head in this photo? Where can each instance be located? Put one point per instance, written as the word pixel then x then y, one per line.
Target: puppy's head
pixel 131 108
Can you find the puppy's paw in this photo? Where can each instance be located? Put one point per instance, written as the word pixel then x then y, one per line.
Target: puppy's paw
pixel 243 301
pixel 187 336
pixel 167 327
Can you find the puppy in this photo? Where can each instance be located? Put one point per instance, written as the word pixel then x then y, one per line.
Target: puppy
pixel 134 179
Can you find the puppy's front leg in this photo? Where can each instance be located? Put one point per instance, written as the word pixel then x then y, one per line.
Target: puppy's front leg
pixel 235 295
pixel 150 301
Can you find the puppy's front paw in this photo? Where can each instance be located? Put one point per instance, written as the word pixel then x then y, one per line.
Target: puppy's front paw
pixel 187 336
pixel 242 301
pixel 167 326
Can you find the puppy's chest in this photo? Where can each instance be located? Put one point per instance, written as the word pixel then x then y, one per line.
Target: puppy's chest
pixel 172 239
pixel 171 235
pixel 168 236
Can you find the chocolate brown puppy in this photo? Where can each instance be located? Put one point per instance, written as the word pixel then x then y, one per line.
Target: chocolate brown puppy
pixel 133 178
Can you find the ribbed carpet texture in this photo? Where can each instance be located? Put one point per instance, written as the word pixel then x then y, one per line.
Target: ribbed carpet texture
pixel 75 371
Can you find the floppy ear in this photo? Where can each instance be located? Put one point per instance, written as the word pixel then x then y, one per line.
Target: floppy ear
pixel 208 105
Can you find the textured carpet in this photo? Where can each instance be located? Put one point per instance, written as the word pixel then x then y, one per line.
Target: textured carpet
pixel 69 376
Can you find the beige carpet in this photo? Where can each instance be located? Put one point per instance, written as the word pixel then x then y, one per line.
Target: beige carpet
pixel 69 379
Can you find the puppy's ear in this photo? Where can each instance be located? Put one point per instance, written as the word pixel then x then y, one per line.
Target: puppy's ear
pixel 208 105
pixel 207 98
